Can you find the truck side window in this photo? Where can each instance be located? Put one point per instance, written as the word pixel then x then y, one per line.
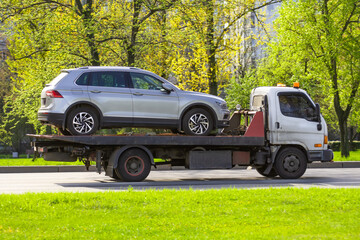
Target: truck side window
pixel 297 106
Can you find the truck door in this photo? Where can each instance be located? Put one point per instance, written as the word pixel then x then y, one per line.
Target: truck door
pixel 296 121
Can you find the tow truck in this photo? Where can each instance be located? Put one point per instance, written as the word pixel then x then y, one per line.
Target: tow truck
pixel 281 132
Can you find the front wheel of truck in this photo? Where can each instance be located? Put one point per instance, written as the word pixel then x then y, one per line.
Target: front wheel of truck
pixel 290 163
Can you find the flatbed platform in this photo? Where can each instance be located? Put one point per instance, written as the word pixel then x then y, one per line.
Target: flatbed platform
pixel 150 140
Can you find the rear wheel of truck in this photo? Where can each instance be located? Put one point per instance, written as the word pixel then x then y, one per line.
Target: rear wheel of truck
pixel 290 163
pixel 133 165
pixel 262 169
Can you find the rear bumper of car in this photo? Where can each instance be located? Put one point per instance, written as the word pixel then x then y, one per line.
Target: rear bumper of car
pixel 56 119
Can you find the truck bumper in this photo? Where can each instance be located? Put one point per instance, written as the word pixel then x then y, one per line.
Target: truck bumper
pixel 322 156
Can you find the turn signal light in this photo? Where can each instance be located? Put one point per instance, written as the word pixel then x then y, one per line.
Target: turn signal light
pixel 325 139
pixel 53 94
pixel 318 145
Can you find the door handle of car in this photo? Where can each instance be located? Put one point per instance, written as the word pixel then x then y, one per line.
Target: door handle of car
pixel 277 125
pixel 138 94
pixel 95 91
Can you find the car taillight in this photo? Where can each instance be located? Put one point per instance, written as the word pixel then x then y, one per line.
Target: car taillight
pixel 53 94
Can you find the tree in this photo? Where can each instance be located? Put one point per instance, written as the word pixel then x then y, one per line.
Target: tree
pixel 318 43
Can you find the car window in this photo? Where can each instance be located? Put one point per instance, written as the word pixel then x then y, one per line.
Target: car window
pixel 58 78
pixel 143 81
pixel 83 79
pixel 258 101
pixel 108 79
pixel 297 106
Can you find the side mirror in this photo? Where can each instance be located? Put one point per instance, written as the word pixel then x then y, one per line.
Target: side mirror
pixel 318 116
pixel 166 87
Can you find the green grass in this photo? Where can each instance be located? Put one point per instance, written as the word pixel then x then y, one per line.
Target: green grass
pixel 37 162
pixel 287 213
pixel 354 156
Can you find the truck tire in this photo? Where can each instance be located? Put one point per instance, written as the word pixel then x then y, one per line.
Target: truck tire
pixel 82 121
pixel 197 122
pixel 290 163
pixel 271 174
pixel 133 165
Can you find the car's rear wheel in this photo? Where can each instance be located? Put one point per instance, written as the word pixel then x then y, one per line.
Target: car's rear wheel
pixel 198 122
pixel 82 121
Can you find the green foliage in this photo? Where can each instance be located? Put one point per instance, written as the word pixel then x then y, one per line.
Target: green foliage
pixel 179 214
pixel 239 90
pixel 335 145
pixel 317 45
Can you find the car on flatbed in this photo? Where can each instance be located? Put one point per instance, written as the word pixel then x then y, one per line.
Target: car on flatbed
pixel 83 100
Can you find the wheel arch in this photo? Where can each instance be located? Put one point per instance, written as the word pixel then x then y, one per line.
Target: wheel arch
pixel 199 105
pixel 83 104
pixel 300 147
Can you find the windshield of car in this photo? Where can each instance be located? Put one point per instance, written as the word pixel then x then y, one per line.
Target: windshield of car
pixel 58 78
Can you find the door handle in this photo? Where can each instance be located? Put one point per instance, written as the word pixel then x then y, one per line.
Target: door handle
pixel 277 125
pixel 95 91
pixel 138 94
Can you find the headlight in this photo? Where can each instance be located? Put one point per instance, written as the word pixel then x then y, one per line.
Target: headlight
pixel 222 105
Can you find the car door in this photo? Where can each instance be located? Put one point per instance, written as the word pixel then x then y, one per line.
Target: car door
pixel 151 105
pixel 110 91
pixel 296 120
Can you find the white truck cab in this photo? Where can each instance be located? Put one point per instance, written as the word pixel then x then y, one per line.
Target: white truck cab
pixel 293 119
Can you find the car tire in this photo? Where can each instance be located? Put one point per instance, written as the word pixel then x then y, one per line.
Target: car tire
pixel 290 163
pixel 197 122
pixel 82 121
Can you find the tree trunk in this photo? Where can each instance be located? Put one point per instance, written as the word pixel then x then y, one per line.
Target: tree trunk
pixel 134 31
pixel 88 22
pixel 210 47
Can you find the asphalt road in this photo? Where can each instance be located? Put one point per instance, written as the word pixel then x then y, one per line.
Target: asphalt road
pixel 175 179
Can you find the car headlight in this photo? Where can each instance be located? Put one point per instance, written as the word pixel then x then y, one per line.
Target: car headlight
pixel 222 105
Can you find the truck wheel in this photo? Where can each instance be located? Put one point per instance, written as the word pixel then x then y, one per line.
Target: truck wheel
pixel 271 174
pixel 290 163
pixel 82 121
pixel 197 122
pixel 133 166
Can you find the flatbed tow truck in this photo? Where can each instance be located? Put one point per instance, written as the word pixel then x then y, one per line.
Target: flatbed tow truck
pixel 281 133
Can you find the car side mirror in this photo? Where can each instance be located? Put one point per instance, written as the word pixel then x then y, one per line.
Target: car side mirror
pixel 166 87
pixel 318 116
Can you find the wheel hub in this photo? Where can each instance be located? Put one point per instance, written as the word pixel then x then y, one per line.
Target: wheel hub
pixel 198 123
pixel 291 163
pixel 83 122
pixel 134 166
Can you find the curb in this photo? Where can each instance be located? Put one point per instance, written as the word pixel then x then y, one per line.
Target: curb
pixel 49 169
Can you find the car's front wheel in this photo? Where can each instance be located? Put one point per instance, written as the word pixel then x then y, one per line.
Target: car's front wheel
pixel 82 121
pixel 198 122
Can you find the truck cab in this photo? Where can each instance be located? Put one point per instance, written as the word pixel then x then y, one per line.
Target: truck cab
pixel 292 119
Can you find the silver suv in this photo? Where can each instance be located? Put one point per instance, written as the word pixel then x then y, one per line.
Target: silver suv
pixel 80 101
